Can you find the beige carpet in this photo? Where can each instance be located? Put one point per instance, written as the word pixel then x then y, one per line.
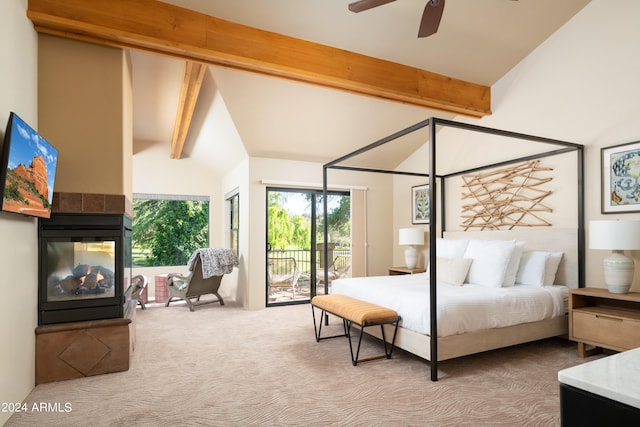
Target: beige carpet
pixel 225 366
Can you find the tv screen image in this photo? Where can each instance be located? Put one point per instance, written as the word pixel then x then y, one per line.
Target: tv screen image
pixel 27 171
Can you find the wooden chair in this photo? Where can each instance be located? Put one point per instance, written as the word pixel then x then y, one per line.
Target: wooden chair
pixel 138 284
pixel 283 273
pixel 193 286
pixel 338 268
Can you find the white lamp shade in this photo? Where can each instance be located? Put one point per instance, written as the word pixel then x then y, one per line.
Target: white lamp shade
pixel 614 235
pixel 411 236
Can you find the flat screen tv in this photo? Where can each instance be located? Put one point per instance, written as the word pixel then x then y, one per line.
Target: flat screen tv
pixel 27 170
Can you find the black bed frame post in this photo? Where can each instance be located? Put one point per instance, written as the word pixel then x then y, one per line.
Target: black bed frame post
pixel 581 225
pixel 432 251
pixel 325 231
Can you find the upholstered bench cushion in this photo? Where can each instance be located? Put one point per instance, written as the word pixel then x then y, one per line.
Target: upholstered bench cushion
pixel 361 312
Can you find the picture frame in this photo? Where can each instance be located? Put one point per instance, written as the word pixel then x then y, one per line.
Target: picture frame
pixel 420 208
pixel 620 170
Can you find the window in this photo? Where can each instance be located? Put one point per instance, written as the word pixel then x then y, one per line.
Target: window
pixel 167 229
pixel 233 212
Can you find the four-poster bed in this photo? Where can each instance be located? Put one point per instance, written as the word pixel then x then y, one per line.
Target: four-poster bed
pixel 432 344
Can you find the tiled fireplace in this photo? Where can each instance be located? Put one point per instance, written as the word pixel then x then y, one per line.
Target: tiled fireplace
pixel 85 315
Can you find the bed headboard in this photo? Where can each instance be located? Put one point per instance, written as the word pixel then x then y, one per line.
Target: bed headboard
pixel 538 239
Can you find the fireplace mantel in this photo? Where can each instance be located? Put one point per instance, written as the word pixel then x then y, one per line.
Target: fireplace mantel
pixel 92 203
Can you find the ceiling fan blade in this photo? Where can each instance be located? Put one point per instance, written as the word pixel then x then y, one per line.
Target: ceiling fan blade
pixel 431 18
pixel 359 6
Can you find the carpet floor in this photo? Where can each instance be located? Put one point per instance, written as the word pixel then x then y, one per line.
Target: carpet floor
pixel 225 366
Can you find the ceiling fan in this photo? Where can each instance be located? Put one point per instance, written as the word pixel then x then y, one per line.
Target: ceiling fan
pixel 430 17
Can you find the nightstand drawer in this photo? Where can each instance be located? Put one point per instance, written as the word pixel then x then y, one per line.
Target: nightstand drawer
pixel 619 333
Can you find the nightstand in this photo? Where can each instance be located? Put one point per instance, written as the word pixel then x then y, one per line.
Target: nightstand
pixel 396 271
pixel 602 319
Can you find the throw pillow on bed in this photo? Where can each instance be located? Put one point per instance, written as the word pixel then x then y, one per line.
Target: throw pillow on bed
pixel 452 270
pixel 451 248
pixel 512 267
pixel 538 268
pixel 490 261
pixel 531 270
pixel 551 267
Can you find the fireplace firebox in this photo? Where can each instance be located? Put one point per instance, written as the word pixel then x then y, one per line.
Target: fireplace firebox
pixel 84 267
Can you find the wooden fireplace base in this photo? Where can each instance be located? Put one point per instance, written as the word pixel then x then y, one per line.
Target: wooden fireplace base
pixel 81 349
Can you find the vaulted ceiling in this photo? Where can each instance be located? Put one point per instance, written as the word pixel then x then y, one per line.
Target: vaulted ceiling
pixel 241 113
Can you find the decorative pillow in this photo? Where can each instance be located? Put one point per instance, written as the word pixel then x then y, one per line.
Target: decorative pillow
pixel 452 270
pixel 451 248
pixel 512 267
pixel 532 268
pixel 490 260
pixel 551 267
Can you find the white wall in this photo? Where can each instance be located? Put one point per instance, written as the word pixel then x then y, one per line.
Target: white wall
pixel 236 284
pixel 18 235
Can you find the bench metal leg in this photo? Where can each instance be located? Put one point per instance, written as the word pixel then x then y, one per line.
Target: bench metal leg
pixel 387 349
pixel 318 329
pixel 346 325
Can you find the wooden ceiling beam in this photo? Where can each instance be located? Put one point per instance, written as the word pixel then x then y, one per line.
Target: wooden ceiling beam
pixel 166 29
pixel 191 84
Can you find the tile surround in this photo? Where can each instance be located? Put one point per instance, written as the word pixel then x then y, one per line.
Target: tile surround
pixel 91 203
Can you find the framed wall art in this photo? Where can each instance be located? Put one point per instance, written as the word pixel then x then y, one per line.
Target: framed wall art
pixel 420 204
pixel 620 178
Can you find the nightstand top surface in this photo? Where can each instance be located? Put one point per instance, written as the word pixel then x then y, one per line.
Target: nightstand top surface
pixel 614 377
pixel 604 293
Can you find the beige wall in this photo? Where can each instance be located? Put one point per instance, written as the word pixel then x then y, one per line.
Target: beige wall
pixel 84 108
pixel 127 125
pixel 18 235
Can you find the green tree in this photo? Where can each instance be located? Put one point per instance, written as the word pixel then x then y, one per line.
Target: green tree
pixel 339 220
pixel 286 231
pixel 301 232
pixel 280 228
pixel 170 230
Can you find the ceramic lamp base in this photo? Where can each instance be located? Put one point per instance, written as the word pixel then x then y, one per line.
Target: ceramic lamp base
pixel 618 272
pixel 411 257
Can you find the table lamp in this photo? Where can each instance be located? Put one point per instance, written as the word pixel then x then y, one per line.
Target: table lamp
pixel 411 237
pixel 616 236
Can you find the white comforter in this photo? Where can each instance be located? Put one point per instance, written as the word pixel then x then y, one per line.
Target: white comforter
pixel 461 309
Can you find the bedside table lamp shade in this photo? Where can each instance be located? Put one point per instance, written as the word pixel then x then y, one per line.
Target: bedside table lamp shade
pixel 411 237
pixel 616 236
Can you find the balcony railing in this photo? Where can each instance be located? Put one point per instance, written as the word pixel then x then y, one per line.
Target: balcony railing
pixel 303 257
pixel 340 257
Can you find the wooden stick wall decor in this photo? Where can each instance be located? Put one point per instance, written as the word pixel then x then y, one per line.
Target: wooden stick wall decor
pixel 506 198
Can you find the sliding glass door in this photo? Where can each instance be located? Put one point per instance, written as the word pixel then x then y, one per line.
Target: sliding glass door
pixel 295 251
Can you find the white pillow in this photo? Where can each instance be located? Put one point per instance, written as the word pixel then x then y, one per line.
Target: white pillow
pixel 490 260
pixel 452 270
pixel 532 268
pixel 551 267
pixel 512 267
pixel 451 248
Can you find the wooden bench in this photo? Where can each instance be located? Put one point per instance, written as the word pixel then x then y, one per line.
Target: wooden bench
pixel 351 311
